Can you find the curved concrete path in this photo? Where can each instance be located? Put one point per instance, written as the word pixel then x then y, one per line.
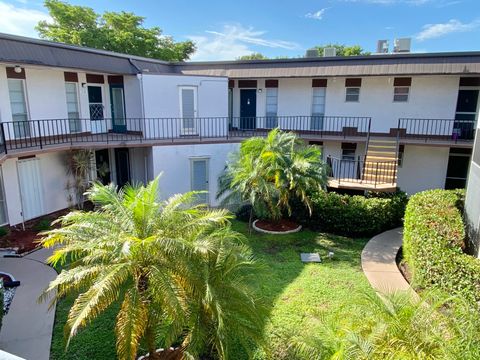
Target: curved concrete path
pixel 27 328
pixel 379 265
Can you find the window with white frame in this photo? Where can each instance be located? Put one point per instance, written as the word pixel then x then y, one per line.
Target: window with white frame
pixel 18 105
pixel 318 108
pixel 271 103
pixel 352 89
pixel 71 92
pixel 401 89
pixel 352 94
pixel 348 151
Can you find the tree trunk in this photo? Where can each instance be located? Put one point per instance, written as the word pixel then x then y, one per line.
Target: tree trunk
pixel 250 221
pixel 151 344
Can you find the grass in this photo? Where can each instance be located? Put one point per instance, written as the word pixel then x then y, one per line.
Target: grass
pixel 298 294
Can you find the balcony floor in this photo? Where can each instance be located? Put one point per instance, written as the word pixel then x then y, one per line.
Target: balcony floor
pixel 353 184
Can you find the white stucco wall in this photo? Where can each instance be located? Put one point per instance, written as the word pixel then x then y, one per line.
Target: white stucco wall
pixel 174 162
pixel 423 168
pixel 431 97
pixel 53 179
pixel 162 100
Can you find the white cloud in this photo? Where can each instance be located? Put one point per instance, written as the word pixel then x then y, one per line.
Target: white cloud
pixel 432 31
pixel 317 15
pixel 19 20
pixel 233 41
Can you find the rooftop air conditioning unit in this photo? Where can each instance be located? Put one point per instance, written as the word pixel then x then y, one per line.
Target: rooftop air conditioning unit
pixel 382 46
pixel 402 45
pixel 311 53
pixel 329 52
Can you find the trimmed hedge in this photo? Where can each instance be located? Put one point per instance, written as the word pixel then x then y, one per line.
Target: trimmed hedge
pixel 353 216
pixel 434 236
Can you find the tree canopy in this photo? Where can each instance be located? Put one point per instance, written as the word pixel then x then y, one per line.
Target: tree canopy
pixel 181 274
pixel 343 50
pixel 253 56
pixel 114 31
pixel 268 173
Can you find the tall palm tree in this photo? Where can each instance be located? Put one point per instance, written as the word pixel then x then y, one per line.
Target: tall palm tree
pixel 172 265
pixel 268 172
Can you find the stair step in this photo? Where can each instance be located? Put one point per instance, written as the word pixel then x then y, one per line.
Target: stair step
pixel 393 153
pixel 373 158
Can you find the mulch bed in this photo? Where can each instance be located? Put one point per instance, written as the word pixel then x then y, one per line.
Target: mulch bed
pixel 23 240
pixel 280 225
pixel 26 240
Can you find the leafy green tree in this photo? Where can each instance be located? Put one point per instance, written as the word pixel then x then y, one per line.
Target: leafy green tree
pixel 269 172
pixel 179 272
pixel 253 56
pixel 397 326
pixel 343 50
pixel 121 32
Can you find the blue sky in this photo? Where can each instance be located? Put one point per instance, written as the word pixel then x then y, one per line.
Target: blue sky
pixel 228 29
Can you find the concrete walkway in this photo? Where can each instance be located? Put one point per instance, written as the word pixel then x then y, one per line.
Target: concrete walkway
pixel 27 328
pixel 379 265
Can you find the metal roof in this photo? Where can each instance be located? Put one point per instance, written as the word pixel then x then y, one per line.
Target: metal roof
pixel 378 65
pixel 22 50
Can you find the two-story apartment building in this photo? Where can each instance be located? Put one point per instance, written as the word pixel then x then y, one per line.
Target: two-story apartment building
pixel 383 121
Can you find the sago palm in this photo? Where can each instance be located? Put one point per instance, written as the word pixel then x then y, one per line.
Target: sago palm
pixel 268 172
pixel 157 258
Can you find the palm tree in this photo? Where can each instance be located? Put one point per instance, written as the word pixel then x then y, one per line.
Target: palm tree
pixel 397 326
pixel 268 172
pixel 172 265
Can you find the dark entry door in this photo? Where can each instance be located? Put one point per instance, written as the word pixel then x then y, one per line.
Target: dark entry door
pixel 248 109
pixel 103 166
pixel 465 114
pixel 122 166
pixel 117 101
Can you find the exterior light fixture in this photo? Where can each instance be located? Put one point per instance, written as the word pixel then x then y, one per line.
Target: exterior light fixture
pixel 260 90
pixel 17 69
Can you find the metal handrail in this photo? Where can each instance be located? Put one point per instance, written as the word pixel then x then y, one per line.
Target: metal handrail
pixel 362 171
pixel 44 132
pixel 436 129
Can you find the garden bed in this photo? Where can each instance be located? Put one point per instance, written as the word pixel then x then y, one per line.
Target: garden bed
pixel 282 226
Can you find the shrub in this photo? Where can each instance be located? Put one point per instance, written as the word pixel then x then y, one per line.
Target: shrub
pixel 434 237
pixel 43 225
pixel 3 231
pixel 353 215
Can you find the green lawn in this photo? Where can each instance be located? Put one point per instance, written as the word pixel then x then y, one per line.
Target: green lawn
pixel 297 294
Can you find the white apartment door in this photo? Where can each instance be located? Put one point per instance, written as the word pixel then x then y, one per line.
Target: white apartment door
pixel 188 109
pixel 31 191
pixel 318 108
pixel 199 171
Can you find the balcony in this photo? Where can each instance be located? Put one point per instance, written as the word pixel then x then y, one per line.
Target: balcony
pixel 29 136
pixel 362 175
pixel 24 137
pixel 436 131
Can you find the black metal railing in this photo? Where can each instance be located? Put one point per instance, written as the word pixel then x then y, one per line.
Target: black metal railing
pixel 17 135
pixel 362 172
pixel 436 129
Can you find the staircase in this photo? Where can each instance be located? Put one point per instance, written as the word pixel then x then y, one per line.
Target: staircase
pixel 380 164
